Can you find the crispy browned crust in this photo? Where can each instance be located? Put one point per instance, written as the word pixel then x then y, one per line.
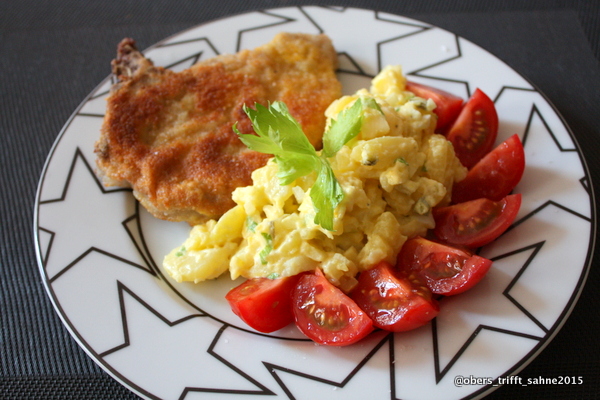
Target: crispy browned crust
pixel 169 135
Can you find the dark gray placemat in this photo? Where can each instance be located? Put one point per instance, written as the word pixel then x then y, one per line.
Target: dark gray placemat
pixel 52 54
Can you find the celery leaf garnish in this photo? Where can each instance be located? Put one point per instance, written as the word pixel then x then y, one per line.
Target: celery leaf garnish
pixel 342 130
pixel 326 194
pixel 279 134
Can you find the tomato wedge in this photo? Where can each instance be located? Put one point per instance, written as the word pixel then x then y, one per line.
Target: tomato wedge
pixel 327 315
pixel 476 223
pixel 448 106
pixel 444 269
pixel 393 302
pixel 264 304
pixel 495 175
pixel 474 132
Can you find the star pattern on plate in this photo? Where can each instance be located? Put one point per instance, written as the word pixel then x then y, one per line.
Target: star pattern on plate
pixel 494 290
pixel 298 363
pixel 145 327
pixel 157 322
pixel 514 264
pixel 180 55
pixel 87 208
pixel 459 69
pixel 340 24
pixel 294 383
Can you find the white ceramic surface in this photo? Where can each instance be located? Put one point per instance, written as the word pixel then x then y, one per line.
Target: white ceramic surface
pixel 100 253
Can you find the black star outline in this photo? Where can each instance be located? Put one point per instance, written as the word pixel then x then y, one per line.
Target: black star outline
pixel 194 57
pixel 140 242
pixel 377 16
pixel 97 95
pixel 469 91
pixel 423 28
pixel 166 42
pixel 272 13
pixel 90 115
pixel 123 290
pixel 419 72
pixel 158 272
pixel 78 157
pixel 358 70
pixel 274 368
pixel 535 111
pixel 542 340
pixel 441 372
pixel 536 247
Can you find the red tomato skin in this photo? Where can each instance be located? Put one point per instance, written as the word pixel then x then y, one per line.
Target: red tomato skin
pixel 476 223
pixel 264 304
pixel 474 132
pixel 394 303
pixel 495 175
pixel 474 269
pixel 448 106
pixel 446 270
pixel 315 302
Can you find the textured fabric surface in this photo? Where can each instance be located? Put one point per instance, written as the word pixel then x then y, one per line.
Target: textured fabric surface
pixel 53 54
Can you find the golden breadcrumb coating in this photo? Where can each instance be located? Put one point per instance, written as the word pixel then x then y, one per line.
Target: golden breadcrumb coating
pixel 168 135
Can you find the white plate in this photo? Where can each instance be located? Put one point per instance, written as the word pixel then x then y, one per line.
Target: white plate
pixel 100 253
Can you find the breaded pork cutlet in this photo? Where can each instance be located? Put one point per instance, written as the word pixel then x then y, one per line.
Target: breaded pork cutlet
pixel 168 135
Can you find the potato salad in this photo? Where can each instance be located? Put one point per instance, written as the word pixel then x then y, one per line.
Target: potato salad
pixel 391 172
